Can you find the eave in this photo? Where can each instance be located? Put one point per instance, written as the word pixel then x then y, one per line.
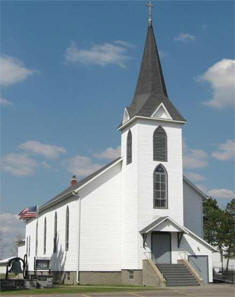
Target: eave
pixel 123 126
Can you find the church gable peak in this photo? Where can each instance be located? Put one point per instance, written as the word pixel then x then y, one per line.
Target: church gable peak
pixel 161 113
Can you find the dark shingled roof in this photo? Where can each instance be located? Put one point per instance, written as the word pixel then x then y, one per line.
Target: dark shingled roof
pixel 151 89
pixel 78 185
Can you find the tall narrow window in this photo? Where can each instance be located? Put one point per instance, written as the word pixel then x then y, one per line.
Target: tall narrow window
pixel 160 145
pixel 67 230
pixel 36 240
pixel 29 244
pixel 55 233
pixel 45 236
pixel 129 148
pixel 160 187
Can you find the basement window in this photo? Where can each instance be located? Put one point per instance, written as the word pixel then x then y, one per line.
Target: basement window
pixel 130 274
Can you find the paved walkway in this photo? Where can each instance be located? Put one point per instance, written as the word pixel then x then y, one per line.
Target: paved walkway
pixel 206 291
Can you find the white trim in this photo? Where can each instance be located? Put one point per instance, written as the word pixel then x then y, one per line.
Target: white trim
pixel 102 172
pixel 150 119
pixel 184 229
pixel 166 111
pixel 126 116
pixel 202 240
pixel 195 188
pixel 74 193
pixel 163 220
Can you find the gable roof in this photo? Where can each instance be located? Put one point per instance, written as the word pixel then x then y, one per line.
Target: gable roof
pixel 151 88
pixel 68 191
pixel 195 188
pixel 183 229
pixel 160 220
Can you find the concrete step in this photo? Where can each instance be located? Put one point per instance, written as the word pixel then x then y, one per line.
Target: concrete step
pixel 177 275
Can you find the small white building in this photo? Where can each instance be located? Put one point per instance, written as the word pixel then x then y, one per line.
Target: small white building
pixel 138 217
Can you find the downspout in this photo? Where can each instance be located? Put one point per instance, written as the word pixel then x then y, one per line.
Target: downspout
pixel 79 236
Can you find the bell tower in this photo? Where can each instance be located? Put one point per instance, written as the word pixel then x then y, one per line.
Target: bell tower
pixel 152 139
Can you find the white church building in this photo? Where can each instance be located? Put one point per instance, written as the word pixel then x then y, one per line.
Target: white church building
pixel 137 220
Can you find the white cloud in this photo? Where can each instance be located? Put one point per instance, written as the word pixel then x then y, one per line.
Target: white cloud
pixel 195 176
pixel 100 54
pixel 221 77
pixel 11 230
pixel 194 158
pixel 4 101
pixel 18 164
pixel 81 165
pixel 221 193
pixel 12 71
pixel 124 43
pixel 109 153
pixel 45 164
pixel 47 150
pixel 185 37
pixel 226 151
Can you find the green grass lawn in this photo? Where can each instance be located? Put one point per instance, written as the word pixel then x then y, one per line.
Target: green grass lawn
pixel 77 289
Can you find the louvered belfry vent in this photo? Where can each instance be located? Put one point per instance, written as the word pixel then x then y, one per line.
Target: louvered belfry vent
pixel 129 148
pixel 160 145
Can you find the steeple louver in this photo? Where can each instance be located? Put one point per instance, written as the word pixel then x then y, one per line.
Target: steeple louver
pixel 151 90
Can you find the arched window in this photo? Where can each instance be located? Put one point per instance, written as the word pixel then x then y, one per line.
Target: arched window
pixel 45 236
pixel 36 240
pixel 160 145
pixel 160 199
pixel 67 230
pixel 29 244
pixel 55 233
pixel 129 148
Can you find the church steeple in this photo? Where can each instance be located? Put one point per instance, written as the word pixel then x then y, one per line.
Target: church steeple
pixel 151 78
pixel 151 89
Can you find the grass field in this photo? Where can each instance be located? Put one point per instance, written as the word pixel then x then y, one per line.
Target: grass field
pixel 77 289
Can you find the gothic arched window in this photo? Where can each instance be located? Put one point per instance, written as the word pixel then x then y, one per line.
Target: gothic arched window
pixel 160 180
pixel 29 244
pixel 45 236
pixel 36 240
pixel 67 229
pixel 160 145
pixel 129 148
pixel 55 233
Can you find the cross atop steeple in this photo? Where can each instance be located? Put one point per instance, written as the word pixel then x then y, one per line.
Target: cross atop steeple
pixel 151 89
pixel 150 6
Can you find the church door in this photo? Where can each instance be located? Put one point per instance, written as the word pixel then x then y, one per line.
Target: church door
pixel 161 247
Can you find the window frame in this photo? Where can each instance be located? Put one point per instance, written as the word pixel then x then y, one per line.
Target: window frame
pixel 67 229
pixel 166 188
pixel 129 148
pixel 55 233
pixel 159 131
pixel 45 237
pixel 36 240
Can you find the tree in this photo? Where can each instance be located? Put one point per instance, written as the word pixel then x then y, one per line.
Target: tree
pixel 214 225
pixel 230 232
pixel 219 227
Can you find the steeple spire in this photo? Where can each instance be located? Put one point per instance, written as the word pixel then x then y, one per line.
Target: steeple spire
pixel 150 6
pixel 151 90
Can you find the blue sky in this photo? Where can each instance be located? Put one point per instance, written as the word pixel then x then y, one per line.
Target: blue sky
pixel 70 67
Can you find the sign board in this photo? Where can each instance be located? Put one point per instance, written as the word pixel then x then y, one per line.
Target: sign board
pixel 42 264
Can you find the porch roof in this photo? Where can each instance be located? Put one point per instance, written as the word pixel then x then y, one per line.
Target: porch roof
pixel 150 227
pixel 181 229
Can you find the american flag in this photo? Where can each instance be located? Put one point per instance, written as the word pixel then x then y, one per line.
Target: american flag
pixel 28 213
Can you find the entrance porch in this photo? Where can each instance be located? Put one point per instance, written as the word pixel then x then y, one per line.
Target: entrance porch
pixel 177 252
